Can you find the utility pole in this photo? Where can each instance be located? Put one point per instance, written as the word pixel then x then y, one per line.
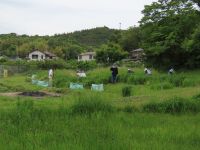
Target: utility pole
pixel 120 26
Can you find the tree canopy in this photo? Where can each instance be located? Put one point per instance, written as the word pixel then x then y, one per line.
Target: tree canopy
pixel 165 27
pixel 66 46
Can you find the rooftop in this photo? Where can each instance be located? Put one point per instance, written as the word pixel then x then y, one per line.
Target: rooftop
pixel 87 53
pixel 49 54
pixel 138 50
pixel 45 52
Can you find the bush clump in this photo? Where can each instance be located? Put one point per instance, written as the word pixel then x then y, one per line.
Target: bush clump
pixel 177 80
pixel 188 83
pixel 129 109
pixel 137 80
pixel 126 91
pixel 90 105
pixel 175 105
pixel 196 97
pixel 23 113
pixel 162 86
pixel 47 64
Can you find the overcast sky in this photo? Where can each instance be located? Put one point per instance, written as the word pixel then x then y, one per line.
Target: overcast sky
pixel 48 17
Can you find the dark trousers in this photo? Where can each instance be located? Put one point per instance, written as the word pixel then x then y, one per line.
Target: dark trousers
pixel 114 78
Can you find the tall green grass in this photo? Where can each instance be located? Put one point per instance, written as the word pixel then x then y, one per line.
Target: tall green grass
pixel 30 127
pixel 86 105
pixel 174 106
pixel 196 97
pixel 126 91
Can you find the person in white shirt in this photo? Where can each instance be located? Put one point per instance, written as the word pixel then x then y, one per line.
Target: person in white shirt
pixel 171 71
pixel 50 73
pixel 147 71
pixel 81 74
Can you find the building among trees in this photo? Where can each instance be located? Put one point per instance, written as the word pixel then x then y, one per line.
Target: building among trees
pixel 86 56
pixel 38 55
pixel 137 54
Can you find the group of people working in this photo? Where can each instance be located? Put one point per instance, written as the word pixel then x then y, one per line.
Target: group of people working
pixel 114 73
pixel 147 71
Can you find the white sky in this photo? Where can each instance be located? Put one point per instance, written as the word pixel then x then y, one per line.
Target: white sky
pixel 48 17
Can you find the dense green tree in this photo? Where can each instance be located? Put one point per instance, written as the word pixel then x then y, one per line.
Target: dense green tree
pixel 22 50
pixel 93 37
pixel 131 39
pixel 110 53
pixel 192 46
pixel 165 26
pixel 116 36
pixel 72 51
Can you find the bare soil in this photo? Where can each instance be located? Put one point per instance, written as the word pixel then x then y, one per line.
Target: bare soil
pixel 36 94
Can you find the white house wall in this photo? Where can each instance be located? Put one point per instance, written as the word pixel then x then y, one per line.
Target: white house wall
pixel 40 55
pixel 85 58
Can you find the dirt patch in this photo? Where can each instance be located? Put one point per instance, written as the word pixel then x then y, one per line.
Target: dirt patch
pixel 33 94
pixel 36 94
pixel 11 94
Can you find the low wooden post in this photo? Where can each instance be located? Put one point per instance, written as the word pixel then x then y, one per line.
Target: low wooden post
pixel 5 73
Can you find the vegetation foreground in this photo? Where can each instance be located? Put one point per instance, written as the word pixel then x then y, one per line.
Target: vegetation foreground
pixel 161 112
pixel 29 128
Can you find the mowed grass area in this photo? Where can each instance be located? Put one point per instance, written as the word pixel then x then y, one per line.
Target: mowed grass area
pixel 85 119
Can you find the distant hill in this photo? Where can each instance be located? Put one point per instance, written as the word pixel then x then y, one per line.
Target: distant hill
pixel 92 37
pixel 13 45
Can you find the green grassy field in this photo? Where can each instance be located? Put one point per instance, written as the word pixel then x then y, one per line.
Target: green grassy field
pixel 161 113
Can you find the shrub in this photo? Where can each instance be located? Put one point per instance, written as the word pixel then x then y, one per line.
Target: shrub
pixel 196 97
pixel 25 65
pixel 60 82
pixel 126 91
pixel 177 80
pixel 97 76
pixel 62 78
pixel 162 86
pixel 130 109
pixel 47 64
pixel 167 85
pixel 123 78
pixel 175 105
pixel 24 106
pixel 82 65
pixel 88 105
pixel 4 89
pixel 137 79
pixel 23 112
pixel 163 78
pixel 3 59
pixel 86 65
pixel 188 83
